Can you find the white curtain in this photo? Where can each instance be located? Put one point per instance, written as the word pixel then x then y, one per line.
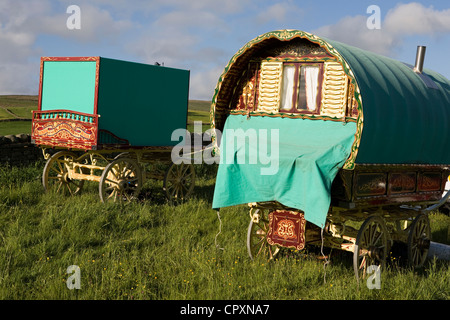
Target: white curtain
pixel 312 83
pixel 287 87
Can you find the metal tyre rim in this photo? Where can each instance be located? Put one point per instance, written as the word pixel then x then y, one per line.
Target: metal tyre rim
pixel 371 246
pixel 257 245
pixel 419 239
pixel 179 182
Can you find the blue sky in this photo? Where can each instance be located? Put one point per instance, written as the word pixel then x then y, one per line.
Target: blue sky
pixel 202 35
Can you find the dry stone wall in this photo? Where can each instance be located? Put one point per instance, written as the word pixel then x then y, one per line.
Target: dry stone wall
pixel 17 150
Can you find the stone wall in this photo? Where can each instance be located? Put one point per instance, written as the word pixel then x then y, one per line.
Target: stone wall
pixel 18 150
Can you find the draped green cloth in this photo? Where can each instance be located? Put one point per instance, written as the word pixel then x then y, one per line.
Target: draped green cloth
pixel 292 161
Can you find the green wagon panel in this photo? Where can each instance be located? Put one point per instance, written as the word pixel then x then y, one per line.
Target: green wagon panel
pixel 68 85
pixel 142 103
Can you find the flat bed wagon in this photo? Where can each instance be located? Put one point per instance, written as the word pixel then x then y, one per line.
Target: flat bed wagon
pixel 109 119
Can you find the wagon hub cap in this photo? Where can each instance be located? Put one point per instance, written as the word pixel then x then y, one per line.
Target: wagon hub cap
pixel 423 243
pixel 65 177
pixel 122 185
pixel 375 252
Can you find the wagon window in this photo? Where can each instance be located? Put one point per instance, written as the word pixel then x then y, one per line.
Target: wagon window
pixel 300 88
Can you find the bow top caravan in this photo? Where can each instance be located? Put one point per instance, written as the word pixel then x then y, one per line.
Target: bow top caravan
pixel 349 133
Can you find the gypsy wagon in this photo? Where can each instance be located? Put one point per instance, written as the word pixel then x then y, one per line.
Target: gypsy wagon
pixel 110 120
pixel 331 145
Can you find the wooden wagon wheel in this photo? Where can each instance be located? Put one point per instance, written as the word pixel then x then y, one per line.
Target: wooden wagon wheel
pixel 120 181
pixel 257 244
pixel 179 182
pixel 419 239
pixel 56 174
pixel 371 246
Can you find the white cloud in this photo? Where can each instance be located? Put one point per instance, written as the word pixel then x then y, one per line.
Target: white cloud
pixel 199 35
pixel 96 25
pixel 15 78
pixel 353 31
pixel 21 22
pixel 202 84
pixel 399 22
pixel 152 47
pixel 414 18
pixel 280 12
pixel 17 73
pixel 182 39
pixel 213 6
pixel 275 12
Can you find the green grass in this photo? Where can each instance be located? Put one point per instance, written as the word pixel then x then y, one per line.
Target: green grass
pixel 198 110
pixel 22 112
pixel 14 127
pixel 21 107
pixel 202 116
pixel 151 250
pixel 4 114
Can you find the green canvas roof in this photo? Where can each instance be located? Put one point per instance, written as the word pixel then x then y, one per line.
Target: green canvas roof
pixel 403 116
pixel 406 115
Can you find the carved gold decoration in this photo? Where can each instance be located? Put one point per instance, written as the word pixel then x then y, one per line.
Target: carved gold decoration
pixel 334 91
pixel 286 229
pixel 220 107
pixel 270 84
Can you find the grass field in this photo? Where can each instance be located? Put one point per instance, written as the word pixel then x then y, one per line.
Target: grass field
pixel 13 107
pixel 198 111
pixel 151 250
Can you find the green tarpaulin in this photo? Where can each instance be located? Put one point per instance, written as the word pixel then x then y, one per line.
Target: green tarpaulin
pixel 292 161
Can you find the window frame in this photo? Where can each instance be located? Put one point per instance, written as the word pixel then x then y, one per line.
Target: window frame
pixel 295 94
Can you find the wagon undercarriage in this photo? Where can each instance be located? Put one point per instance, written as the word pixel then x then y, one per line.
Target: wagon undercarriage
pixel 120 175
pixel 368 233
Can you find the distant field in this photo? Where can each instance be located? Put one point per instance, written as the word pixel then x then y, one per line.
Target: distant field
pixel 13 107
pixel 199 105
pixel 15 127
pixel 19 101
pixel 21 106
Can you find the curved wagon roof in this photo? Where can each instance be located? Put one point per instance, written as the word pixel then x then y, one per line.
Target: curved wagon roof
pixel 403 117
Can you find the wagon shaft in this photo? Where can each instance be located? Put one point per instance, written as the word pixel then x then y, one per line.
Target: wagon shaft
pixel 77 172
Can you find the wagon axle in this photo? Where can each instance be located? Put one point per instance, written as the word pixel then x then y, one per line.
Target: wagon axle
pixel 120 178
pixel 423 243
pixel 375 253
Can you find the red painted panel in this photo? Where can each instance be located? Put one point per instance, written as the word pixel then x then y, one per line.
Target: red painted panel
pixel 287 229
pixel 64 128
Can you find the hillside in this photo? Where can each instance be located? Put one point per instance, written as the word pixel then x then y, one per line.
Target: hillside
pixel 18 108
